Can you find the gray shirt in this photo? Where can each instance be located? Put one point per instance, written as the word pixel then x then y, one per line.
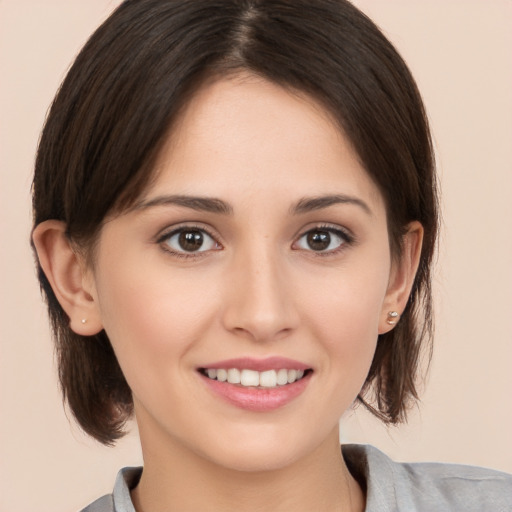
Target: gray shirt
pixel 390 486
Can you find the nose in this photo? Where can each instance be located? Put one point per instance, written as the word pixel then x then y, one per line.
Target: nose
pixel 259 303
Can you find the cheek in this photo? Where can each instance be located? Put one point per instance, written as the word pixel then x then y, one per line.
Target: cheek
pixel 151 317
pixel 348 300
pixel 348 330
pixel 344 316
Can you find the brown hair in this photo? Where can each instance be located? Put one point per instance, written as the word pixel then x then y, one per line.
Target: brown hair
pixel 117 105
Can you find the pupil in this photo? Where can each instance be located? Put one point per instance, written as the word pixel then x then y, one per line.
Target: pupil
pixel 319 240
pixel 191 240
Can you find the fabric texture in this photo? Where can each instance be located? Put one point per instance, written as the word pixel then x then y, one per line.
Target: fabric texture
pixel 389 486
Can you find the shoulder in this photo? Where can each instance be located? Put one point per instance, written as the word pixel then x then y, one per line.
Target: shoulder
pixel 418 487
pixel 120 499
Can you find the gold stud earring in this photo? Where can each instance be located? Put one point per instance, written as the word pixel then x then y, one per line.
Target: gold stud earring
pixel 392 318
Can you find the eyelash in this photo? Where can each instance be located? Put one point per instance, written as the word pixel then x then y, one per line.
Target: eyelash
pixel 189 227
pixel 345 235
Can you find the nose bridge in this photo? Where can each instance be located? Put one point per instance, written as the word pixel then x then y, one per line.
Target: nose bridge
pixel 259 304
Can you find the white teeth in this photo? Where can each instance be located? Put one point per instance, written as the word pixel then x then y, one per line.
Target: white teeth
pixel 249 378
pixel 282 377
pixel 268 379
pixel 234 376
pixel 252 378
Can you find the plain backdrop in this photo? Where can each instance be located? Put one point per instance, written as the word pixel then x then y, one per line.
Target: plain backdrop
pixel 460 52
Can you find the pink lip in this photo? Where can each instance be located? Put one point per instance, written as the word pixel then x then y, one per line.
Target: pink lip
pixel 257 399
pixel 259 365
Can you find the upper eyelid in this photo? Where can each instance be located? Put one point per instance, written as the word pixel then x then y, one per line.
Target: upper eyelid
pixel 348 238
pixel 347 233
pixel 166 233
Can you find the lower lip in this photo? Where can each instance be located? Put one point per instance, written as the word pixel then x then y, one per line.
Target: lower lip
pixel 257 399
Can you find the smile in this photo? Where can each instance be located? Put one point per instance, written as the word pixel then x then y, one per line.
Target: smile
pixel 257 385
pixel 251 378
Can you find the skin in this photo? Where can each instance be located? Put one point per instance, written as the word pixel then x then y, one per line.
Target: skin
pixel 255 289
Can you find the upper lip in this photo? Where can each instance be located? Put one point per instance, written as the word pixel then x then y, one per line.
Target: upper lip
pixel 259 365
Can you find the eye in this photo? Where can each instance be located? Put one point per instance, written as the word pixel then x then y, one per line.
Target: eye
pixel 322 240
pixel 190 240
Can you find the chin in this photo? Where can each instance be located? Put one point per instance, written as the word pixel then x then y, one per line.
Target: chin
pixel 258 451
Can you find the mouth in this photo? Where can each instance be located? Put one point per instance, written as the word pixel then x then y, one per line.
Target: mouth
pixel 267 379
pixel 257 385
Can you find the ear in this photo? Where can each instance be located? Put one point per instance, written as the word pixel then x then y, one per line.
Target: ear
pixel 401 279
pixel 69 277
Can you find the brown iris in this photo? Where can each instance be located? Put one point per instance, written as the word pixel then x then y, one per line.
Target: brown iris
pixel 318 240
pixel 191 241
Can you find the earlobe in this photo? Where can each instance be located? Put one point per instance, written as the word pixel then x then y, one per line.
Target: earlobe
pixel 66 273
pixel 402 276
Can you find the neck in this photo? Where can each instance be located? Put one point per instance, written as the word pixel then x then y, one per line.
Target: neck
pixel 177 479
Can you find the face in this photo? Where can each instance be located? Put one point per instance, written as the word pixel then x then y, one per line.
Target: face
pixel 261 249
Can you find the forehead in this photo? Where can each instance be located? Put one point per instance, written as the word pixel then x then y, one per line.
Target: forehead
pixel 248 133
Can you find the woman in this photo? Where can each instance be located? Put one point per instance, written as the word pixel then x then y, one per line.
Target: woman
pixel 234 216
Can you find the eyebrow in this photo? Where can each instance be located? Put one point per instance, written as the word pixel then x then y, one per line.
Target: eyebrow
pixel 203 204
pixel 215 205
pixel 309 204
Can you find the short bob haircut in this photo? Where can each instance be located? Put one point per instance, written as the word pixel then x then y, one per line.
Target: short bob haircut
pixel 116 108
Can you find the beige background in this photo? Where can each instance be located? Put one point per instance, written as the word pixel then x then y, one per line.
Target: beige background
pixel 461 54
